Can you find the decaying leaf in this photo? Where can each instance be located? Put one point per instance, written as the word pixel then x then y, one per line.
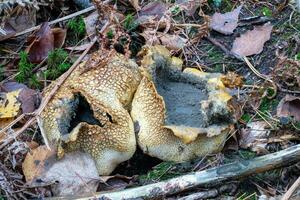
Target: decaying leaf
pixel 135 4
pixel 252 42
pixel 90 24
pixel 189 6
pixel 75 173
pixel 289 106
pixel 172 42
pixel 9 105
pixel 44 41
pixel 225 23
pixel 28 98
pixel 286 73
pixel 114 182
pixel 20 21
pixel 255 137
pixel 152 12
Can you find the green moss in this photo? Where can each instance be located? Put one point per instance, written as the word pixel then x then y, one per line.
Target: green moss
pixel 77 26
pixel 161 171
pixel 297 56
pixel 266 12
pixel 58 63
pixel 25 74
pixel 267 105
pixel 1 72
pixel 110 34
pixel 129 23
pixel 246 117
pixel 246 154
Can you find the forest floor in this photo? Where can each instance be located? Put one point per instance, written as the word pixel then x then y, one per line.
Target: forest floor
pixel 268 120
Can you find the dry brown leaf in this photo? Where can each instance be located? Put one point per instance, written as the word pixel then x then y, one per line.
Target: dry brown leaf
pixel 289 106
pixel 114 182
pixel 255 137
pixel 44 41
pixel 172 42
pixel 40 44
pixel 59 37
pixel 28 98
pixel 19 22
pixel 189 6
pixel 90 24
pixel 9 104
pixel 252 42
pixel 225 23
pixel 135 4
pixel 151 13
pixel 76 173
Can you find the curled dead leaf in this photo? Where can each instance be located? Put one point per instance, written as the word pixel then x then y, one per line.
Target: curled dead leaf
pixel 135 4
pixel 90 24
pixel 28 98
pixel 44 41
pixel 171 42
pixel 225 23
pixel 75 174
pixel 252 42
pixel 255 137
pixel 289 106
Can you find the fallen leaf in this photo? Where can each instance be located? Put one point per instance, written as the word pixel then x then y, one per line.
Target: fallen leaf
pixel 135 4
pixel 22 20
pixel 75 174
pixel 114 182
pixel 90 24
pixel 252 42
pixel 189 6
pixel 151 13
pixel 28 98
pixel 225 23
pixel 172 42
pixel 59 35
pixel 9 105
pixel 44 41
pixel 255 137
pixel 155 8
pixel 289 106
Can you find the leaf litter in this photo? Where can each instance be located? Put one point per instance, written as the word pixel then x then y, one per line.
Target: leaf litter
pixel 158 24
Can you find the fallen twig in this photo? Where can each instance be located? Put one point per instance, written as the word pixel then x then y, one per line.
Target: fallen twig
pixel 210 193
pixel 291 190
pixel 210 176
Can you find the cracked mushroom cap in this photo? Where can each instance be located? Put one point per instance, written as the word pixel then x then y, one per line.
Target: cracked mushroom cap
pixel 89 111
pixel 179 114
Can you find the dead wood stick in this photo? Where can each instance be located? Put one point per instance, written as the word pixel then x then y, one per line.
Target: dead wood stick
pixel 291 190
pixel 210 176
pixel 57 20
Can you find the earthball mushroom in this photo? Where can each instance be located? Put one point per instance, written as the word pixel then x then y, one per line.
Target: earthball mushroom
pixel 179 114
pixel 105 105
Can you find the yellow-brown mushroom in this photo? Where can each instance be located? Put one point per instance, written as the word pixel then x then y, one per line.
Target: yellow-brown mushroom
pixel 180 115
pixel 89 113
pixel 176 115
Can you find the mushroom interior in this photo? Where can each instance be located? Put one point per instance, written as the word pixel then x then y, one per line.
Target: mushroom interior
pixel 182 95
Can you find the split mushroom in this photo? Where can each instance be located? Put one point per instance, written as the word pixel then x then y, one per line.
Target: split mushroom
pixel 104 106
